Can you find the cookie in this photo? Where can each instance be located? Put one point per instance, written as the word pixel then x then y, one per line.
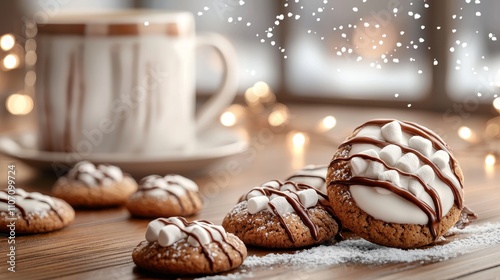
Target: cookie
pixel 175 246
pixel 282 215
pixel 312 175
pixel 171 195
pixel 90 186
pixel 25 213
pixel 395 183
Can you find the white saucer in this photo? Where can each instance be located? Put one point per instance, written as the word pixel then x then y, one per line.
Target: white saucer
pixel 212 145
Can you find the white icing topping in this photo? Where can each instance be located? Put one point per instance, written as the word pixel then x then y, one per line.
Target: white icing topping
pixel 259 201
pixel 29 202
pixel 395 208
pixel 168 231
pixel 155 185
pixel 91 175
pixel 312 175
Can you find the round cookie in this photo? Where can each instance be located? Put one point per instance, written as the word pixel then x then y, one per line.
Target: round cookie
pixel 312 175
pixel 171 195
pixel 32 212
pixel 396 184
pixel 90 186
pixel 282 215
pixel 176 247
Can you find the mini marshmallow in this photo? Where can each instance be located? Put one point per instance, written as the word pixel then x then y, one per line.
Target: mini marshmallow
pixel 272 184
pixel 254 193
pixel 441 159
pixel 392 132
pixel 358 166
pixel 374 169
pixel 408 163
pixel 85 166
pixel 257 204
pixel 415 187
pixel 153 230
pixel 281 205
pixel 202 236
pixel 170 234
pixel 87 179
pixel 426 173
pixel 308 198
pixel 390 154
pixel 176 221
pixel 391 176
pixel 421 144
pixel 288 187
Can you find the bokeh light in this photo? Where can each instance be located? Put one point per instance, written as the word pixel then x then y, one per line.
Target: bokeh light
pixel 10 61
pixel 327 123
pixel 19 104
pixel 465 133
pixel 490 160
pixel 7 42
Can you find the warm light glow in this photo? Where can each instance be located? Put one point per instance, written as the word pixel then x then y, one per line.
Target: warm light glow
pixel 232 115
pixel 7 42
pixel 328 123
pixel 250 97
pixel 19 104
pixel 490 160
pixel 261 89
pixel 278 116
pixel 496 104
pixel 465 133
pixel 298 139
pixel 10 61
pixel 146 23
pixel 228 119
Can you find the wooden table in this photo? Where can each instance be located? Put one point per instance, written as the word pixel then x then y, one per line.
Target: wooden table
pixel 98 244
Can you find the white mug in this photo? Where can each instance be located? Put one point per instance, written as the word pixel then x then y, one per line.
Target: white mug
pixel 124 82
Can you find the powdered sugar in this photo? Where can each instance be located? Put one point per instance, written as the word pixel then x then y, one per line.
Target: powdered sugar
pixel 363 252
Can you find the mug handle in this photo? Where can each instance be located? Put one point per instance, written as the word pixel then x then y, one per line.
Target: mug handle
pixel 227 90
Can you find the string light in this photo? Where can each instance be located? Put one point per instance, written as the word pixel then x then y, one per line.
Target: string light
pixel 327 123
pixel 250 97
pixel 10 61
pixel 261 89
pixel 19 104
pixel 465 133
pixel 232 115
pixel 490 160
pixel 299 139
pixel 496 104
pixel 7 42
pixel 278 116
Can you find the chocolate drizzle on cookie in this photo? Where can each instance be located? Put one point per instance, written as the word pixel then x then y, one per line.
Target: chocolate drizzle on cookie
pixel 26 197
pixel 207 226
pixel 92 175
pixel 291 196
pixel 434 216
pixel 168 183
